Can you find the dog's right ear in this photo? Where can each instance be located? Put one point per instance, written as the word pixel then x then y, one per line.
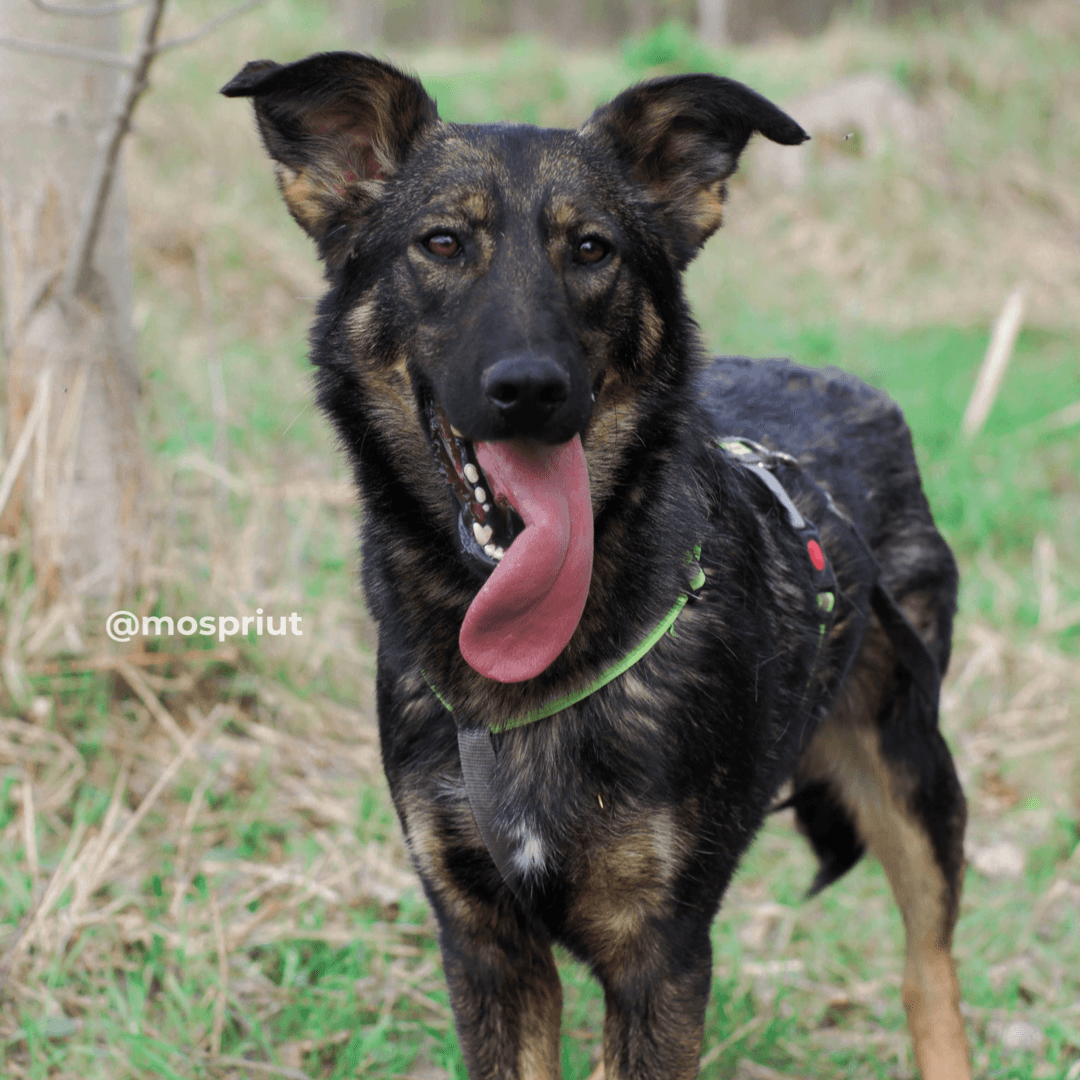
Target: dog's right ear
pixel 338 125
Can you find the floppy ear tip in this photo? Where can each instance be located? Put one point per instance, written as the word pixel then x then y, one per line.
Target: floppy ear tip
pixel 245 82
pixel 786 132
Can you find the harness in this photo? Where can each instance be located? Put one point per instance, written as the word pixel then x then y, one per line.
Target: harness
pixel 477 746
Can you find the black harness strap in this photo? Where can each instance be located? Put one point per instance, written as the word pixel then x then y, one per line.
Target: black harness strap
pixel 478 769
pixel 910 647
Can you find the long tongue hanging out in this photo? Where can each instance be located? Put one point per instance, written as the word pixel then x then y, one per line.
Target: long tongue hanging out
pixel 528 609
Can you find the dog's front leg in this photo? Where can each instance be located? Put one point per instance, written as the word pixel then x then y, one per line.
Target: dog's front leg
pixel 505 992
pixel 654 962
pixel 504 986
pixel 655 1001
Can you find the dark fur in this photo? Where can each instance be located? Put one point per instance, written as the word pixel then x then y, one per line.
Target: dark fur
pixel 640 800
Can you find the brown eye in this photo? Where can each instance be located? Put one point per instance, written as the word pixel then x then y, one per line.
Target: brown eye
pixel 445 245
pixel 591 250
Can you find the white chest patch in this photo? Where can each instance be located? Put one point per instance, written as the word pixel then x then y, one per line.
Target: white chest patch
pixel 529 857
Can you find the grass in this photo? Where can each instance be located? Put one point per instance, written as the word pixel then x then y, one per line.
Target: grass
pixel 254 913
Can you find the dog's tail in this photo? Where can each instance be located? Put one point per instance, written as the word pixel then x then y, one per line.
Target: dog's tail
pixel 823 820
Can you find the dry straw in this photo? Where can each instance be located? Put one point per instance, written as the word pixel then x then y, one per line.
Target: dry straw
pixel 1002 342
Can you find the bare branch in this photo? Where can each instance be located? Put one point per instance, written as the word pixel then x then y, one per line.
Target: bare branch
pixel 80 258
pixel 207 28
pixel 70 52
pixel 100 11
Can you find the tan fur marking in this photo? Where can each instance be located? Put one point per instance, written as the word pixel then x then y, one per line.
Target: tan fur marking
pixel 540 1053
pixel 667 844
pixel 358 322
pixel 931 994
pixel 477 206
pixel 424 845
pixel 652 330
pixel 395 414
pixel 612 427
pixel 428 853
pixel 708 210
pixel 303 196
pixel 639 693
pixel 562 212
pixel 626 885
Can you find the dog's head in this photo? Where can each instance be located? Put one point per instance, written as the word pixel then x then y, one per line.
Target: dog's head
pixel 507 298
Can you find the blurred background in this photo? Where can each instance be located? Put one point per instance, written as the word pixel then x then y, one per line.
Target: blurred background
pixel 201 874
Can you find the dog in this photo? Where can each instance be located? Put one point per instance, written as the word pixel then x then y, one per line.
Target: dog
pixel 623 594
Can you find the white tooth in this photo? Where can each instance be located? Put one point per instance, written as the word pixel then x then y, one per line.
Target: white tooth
pixel 481 495
pixel 481 532
pixel 487 508
pixel 454 431
pixel 472 474
pixel 489 549
pixel 498 553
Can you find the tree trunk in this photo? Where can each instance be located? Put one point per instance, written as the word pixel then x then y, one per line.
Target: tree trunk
pixel 81 488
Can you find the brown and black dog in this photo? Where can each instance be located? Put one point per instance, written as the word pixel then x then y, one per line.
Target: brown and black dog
pixel 569 573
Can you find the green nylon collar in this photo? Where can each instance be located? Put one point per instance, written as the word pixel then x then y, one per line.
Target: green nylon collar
pixel 665 625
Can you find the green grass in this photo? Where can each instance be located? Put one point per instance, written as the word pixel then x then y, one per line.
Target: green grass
pixel 348 983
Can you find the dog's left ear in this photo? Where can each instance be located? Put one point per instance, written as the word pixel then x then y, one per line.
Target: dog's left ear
pixel 681 137
pixel 338 125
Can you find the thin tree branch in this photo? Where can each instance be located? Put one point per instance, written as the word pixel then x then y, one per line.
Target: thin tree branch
pixel 77 268
pixel 207 28
pixel 80 258
pixel 100 11
pixel 70 52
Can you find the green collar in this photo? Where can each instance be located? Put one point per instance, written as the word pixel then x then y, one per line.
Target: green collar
pixel 665 625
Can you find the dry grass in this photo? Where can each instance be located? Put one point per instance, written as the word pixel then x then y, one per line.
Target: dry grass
pixel 940 234
pixel 190 761
pixel 192 758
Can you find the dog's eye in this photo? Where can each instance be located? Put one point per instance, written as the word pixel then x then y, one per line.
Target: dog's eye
pixel 445 245
pixel 591 250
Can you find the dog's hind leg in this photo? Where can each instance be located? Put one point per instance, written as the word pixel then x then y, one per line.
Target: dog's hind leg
pixel 878 773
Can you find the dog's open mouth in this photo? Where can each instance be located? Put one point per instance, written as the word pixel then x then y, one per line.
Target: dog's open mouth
pixel 526 512
pixel 487 523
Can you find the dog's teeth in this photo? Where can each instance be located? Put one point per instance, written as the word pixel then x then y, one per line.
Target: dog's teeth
pixel 481 495
pixel 454 431
pixel 472 473
pixel 498 553
pixel 481 532
pixel 489 549
pixel 487 508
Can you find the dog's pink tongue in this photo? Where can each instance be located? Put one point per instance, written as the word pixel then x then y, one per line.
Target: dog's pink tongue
pixel 530 606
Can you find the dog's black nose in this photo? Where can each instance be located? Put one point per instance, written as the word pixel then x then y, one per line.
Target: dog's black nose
pixel 526 389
